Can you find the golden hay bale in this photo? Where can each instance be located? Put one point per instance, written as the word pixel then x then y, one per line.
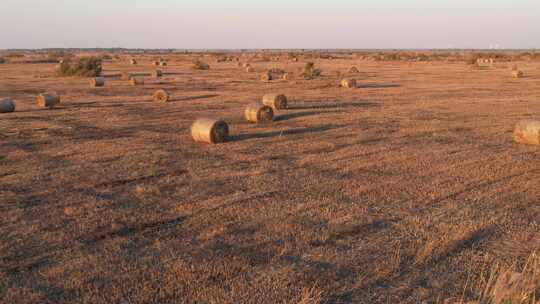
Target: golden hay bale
pixel 126 76
pixel 246 65
pixel 517 74
pixel 354 70
pixel 527 132
pixel 161 96
pixel 348 83
pixel 250 69
pixel 209 131
pixel 133 61
pixel 266 76
pixel 258 112
pixel 97 82
pixel 286 76
pixel 135 81
pixel 275 101
pixel 6 105
pixel 157 73
pixel 163 63
pixel 48 100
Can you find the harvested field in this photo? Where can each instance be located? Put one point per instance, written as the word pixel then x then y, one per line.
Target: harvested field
pixel 407 189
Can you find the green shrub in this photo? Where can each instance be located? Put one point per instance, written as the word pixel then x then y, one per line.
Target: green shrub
pixel 84 66
pixel 199 65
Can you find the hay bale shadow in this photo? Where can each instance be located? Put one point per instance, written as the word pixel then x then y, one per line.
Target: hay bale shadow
pixel 296 131
pixel 194 97
pixel 334 105
pixel 378 85
pixel 301 114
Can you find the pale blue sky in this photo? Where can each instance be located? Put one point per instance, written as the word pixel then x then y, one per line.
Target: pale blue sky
pixel 270 24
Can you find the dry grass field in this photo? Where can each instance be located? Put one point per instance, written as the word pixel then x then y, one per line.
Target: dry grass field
pixel 407 189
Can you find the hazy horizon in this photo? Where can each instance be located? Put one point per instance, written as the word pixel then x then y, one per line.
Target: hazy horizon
pixel 278 24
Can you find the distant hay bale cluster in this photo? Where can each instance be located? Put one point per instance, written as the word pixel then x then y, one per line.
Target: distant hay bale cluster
pixel 215 131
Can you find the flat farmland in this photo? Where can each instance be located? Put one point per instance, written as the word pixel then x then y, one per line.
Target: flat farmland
pixel 408 188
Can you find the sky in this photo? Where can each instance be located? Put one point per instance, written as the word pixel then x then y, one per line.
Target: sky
pixel 262 24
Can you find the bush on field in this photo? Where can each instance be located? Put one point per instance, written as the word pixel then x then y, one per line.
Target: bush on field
pixel 199 65
pixel 84 66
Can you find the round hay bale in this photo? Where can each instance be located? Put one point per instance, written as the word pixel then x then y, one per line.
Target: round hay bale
pixel 266 76
pixel 97 81
pixel 354 70
pixel 157 73
pixel 527 132
pixel 133 61
pixel 275 101
pixel 210 131
pixel 163 63
pixel 161 96
pixel 246 65
pixel 286 76
pixel 250 69
pixel 6 105
pixel 258 112
pixel 135 81
pixel 126 76
pixel 348 83
pixel 517 74
pixel 48 100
